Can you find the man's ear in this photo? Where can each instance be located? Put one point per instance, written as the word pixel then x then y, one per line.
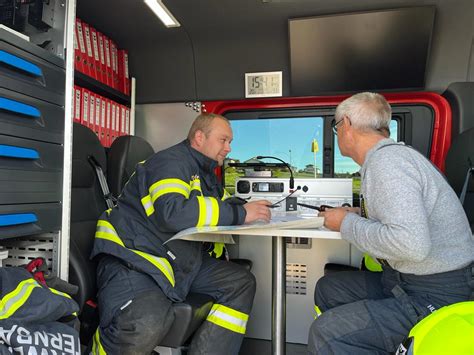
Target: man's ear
pixel 199 138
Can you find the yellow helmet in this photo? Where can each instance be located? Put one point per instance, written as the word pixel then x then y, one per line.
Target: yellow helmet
pixel 449 330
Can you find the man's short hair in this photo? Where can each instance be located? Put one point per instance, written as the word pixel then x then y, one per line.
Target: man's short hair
pixel 203 123
pixel 367 111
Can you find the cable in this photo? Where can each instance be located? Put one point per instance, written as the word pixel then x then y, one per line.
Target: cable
pixel 194 62
pixel 292 180
pixel 273 205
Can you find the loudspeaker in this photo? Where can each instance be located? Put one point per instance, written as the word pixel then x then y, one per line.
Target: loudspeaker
pixel 243 187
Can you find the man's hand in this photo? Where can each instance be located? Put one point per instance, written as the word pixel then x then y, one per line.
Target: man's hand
pixel 257 210
pixel 333 217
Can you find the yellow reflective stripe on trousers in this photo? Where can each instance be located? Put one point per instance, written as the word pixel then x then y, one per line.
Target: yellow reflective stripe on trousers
pixel 228 318
pixel 17 298
pixel 195 185
pixel 106 231
pixel 208 211
pixel 97 348
pixel 161 188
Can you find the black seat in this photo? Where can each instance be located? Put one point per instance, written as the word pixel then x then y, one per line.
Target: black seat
pixel 87 204
pixel 461 153
pixel 460 169
pixel 124 154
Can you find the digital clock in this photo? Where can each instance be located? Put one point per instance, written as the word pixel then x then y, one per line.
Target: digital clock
pixel 265 84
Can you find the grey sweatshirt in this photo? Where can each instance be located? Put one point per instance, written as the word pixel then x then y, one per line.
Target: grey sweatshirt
pixel 415 220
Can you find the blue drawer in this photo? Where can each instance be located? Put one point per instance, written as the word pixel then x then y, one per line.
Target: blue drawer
pixel 30 171
pixel 21 220
pixel 27 117
pixel 31 75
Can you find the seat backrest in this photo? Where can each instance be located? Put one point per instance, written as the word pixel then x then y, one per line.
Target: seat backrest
pixel 87 204
pixel 124 154
pixel 459 96
pixel 459 160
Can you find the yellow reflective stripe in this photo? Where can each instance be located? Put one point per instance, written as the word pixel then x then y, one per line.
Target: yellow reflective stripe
pixel 59 293
pixel 317 312
pixel 17 298
pixel 225 195
pixel 167 186
pixel 97 348
pixel 63 294
pixel 105 230
pixel 202 211
pixel 195 185
pixel 161 188
pixel 148 205
pixel 161 263
pixel 215 211
pixel 208 211
pixel 108 211
pixel 228 318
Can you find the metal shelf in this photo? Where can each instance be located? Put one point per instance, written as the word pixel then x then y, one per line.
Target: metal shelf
pixel 91 84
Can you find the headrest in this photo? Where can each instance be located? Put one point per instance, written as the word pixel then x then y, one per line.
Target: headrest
pixel 124 154
pixel 460 97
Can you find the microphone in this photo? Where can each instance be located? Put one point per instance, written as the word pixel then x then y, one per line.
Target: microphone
pixel 292 180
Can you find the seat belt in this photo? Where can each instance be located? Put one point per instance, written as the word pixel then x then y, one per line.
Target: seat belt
pixel 470 172
pixel 110 200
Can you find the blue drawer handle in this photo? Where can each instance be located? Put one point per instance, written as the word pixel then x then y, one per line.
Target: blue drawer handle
pixel 20 63
pixel 17 218
pixel 18 152
pixel 18 107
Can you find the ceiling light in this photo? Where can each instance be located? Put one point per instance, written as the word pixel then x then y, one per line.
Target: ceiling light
pixel 162 12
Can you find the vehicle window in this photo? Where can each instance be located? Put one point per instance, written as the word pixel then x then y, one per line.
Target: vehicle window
pixel 297 141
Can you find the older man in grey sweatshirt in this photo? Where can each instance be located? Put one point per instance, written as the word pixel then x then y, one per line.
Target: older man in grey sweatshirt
pixel 410 220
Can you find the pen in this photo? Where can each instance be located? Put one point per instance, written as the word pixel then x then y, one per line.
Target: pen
pixel 318 208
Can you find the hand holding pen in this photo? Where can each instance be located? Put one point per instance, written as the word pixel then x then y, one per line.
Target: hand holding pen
pixel 257 210
pixel 333 217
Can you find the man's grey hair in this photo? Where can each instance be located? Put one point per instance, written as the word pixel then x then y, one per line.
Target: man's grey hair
pixel 367 111
pixel 203 123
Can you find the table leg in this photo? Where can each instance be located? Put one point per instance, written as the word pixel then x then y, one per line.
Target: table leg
pixel 278 296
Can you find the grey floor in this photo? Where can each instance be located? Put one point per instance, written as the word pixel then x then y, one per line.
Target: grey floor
pixel 264 347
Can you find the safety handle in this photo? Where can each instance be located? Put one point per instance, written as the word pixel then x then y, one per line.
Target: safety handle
pixel 10 151
pixel 20 63
pixel 15 219
pixel 18 107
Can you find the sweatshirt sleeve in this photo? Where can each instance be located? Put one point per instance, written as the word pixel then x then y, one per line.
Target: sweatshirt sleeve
pixel 397 224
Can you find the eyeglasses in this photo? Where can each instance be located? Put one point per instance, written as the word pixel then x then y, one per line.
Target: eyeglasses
pixel 336 124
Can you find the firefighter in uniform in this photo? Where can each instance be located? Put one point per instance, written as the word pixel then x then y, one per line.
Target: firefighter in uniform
pixel 410 220
pixel 138 277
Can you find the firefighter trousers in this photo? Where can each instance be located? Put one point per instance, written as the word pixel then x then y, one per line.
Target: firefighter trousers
pixel 367 312
pixel 135 314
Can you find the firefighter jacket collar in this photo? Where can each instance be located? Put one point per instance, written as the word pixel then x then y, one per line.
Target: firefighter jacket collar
pixel 207 164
